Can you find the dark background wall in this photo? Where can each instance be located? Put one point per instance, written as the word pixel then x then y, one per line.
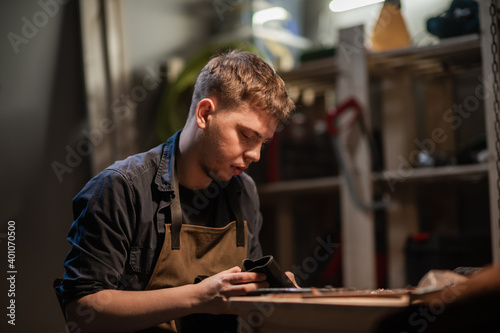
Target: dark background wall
pixel 42 113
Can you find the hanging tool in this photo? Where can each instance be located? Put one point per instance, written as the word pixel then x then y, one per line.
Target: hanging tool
pixel 333 129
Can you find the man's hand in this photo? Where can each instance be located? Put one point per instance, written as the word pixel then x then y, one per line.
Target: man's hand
pixel 291 276
pixel 216 290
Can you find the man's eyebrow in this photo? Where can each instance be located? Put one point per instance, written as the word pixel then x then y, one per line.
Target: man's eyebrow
pixel 257 134
pixel 261 137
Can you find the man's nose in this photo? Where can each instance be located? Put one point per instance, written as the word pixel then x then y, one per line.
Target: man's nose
pixel 253 154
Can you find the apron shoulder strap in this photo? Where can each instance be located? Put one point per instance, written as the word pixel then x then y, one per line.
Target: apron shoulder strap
pixel 233 194
pixel 176 214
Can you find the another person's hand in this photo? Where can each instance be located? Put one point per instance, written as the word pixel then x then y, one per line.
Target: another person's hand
pixel 215 290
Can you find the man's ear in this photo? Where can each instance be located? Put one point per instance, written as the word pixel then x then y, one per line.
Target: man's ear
pixel 204 109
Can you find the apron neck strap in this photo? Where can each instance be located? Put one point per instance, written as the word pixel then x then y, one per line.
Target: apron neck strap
pixel 176 213
pixel 232 194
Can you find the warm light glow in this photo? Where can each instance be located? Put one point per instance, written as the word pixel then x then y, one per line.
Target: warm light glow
pixel 269 14
pixel 338 6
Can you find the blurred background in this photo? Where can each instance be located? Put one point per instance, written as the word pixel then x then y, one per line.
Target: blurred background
pixel 83 84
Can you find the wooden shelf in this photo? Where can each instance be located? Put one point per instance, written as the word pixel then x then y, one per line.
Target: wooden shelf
pixel 299 186
pixel 324 184
pixel 448 55
pixel 316 74
pixel 459 172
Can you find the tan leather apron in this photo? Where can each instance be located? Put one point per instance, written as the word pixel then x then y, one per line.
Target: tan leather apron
pixel 190 251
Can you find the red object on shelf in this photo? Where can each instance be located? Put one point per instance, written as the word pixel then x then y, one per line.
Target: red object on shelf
pixel 273 173
pixel 421 237
pixel 331 117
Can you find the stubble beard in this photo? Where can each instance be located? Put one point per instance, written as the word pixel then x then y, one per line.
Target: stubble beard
pixel 207 141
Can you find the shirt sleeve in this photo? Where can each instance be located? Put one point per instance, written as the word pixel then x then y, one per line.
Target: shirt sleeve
pixel 100 236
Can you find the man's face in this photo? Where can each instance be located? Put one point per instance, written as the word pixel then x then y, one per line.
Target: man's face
pixel 233 139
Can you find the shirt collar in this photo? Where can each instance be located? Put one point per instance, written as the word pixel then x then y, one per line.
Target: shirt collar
pixel 163 179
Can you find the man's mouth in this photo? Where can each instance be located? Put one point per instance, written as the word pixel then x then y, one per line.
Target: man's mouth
pixel 238 170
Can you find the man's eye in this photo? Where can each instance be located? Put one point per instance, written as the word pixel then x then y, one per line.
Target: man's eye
pixel 245 135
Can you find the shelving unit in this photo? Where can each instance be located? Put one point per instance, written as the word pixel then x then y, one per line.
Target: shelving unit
pixel 353 72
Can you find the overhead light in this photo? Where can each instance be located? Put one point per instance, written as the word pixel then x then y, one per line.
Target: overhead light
pixel 269 14
pixel 338 6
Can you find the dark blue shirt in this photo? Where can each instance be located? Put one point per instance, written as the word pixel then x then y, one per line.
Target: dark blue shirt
pixel 119 222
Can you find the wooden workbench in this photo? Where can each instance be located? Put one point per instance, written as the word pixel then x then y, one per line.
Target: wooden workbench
pixel 299 313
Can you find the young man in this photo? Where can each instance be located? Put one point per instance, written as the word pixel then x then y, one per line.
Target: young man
pixel 159 236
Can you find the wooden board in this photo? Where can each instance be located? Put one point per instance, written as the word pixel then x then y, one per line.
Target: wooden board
pixel 399 133
pixel 265 314
pixel 358 230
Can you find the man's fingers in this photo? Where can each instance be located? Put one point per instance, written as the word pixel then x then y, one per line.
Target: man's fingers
pixel 246 277
pixel 234 269
pixel 243 289
pixel 291 276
